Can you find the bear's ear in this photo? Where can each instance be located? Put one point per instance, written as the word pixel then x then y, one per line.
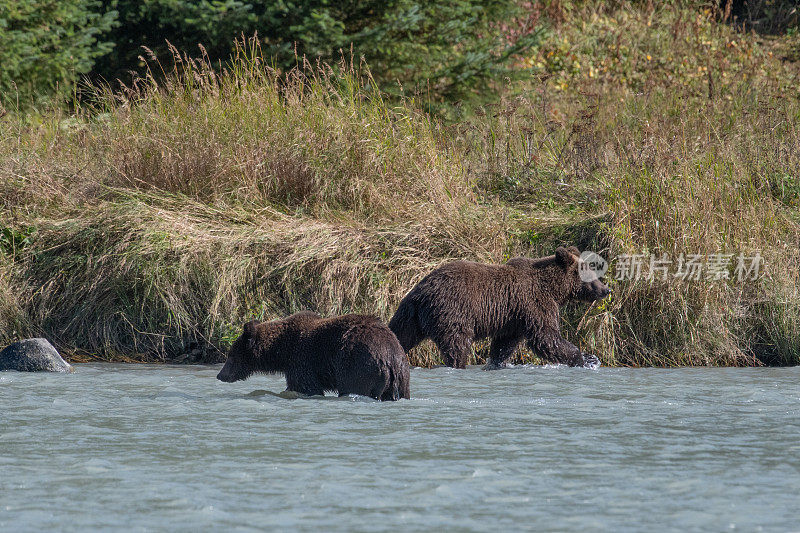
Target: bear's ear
pixel 565 257
pixel 250 329
pixel 574 251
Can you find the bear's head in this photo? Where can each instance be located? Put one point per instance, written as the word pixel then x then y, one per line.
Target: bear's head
pixel 585 284
pixel 242 359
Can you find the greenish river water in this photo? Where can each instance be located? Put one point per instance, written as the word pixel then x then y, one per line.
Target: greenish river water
pixel 144 447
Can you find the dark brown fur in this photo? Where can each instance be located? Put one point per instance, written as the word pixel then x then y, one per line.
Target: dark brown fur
pixel 351 354
pixel 463 301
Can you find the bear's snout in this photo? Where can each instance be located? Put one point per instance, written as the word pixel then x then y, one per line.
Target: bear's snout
pixel 226 374
pixel 595 290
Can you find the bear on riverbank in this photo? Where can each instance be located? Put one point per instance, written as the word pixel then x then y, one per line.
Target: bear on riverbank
pixel 464 301
pixel 351 354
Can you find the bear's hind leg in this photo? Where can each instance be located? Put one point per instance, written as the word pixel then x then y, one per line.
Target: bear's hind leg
pixel 455 351
pixel 363 382
pixel 500 352
pixel 389 394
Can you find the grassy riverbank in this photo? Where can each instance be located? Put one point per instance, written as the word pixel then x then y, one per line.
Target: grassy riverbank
pixel 151 223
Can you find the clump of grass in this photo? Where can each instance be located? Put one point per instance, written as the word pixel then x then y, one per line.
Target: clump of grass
pixel 682 46
pixel 318 139
pixel 12 318
pixel 151 275
pixel 670 170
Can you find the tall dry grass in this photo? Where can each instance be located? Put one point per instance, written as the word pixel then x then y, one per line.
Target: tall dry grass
pixel 161 217
pixel 169 213
pixel 321 138
pixel 653 173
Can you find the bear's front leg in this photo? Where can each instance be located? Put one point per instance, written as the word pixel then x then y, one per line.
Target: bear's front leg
pixel 302 379
pixel 550 345
pixel 590 361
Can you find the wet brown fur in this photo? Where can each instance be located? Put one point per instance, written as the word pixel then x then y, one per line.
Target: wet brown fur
pixel 350 354
pixel 463 301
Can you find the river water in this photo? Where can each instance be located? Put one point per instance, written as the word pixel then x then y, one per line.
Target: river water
pixel 145 447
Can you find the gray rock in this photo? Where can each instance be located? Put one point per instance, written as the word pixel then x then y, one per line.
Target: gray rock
pixel 33 355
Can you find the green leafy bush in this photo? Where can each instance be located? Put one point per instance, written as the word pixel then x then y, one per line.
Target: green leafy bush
pixel 46 45
pixel 448 49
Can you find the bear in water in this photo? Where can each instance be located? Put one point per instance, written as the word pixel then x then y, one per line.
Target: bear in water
pixel 462 301
pixel 351 354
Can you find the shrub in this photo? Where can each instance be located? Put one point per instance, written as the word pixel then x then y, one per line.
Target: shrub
pixel 46 45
